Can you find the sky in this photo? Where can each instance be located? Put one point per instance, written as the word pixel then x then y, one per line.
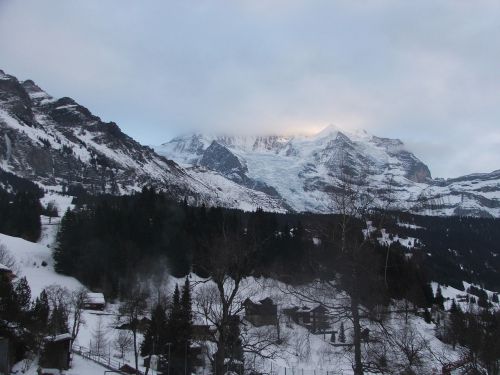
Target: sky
pixel 426 72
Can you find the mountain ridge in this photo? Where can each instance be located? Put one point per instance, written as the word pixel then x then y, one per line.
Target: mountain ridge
pixel 313 164
pixel 60 144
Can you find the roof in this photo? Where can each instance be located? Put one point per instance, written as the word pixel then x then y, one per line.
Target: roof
pixel 97 298
pixel 61 337
pixel 3 267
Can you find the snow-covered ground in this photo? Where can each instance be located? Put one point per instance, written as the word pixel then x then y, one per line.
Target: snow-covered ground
pixel 301 351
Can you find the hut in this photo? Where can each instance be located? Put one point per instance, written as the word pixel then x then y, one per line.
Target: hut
pixel 95 301
pixel 56 353
pixel 7 272
pixel 313 318
pixel 261 313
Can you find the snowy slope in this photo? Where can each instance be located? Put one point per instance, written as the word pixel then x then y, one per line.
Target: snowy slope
pixel 301 170
pixel 60 144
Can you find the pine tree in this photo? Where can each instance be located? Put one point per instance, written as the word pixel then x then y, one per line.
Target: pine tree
pixel 40 313
pixel 342 333
pixel 175 335
pixel 155 337
pixel 427 316
pixel 9 307
pixel 439 299
pixel 58 321
pixel 187 323
pixel 23 294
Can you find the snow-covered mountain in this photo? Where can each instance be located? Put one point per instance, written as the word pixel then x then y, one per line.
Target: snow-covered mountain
pixel 59 143
pixel 301 170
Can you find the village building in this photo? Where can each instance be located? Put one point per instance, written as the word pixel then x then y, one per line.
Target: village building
pixel 202 332
pixel 6 271
pixel 95 301
pixel 56 353
pixel 261 313
pixel 315 318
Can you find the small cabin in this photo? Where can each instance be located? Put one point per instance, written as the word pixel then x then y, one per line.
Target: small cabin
pixel 56 353
pixel 95 301
pixel 202 332
pixel 313 318
pixel 7 272
pixel 261 313
pixel 127 369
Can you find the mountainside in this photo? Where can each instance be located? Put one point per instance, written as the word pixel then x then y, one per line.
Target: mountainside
pixel 61 144
pixel 301 170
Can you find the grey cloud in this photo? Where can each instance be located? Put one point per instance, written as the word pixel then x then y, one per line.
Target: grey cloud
pixel 426 72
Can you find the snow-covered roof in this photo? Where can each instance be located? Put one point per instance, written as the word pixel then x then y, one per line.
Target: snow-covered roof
pixel 4 267
pixel 61 337
pixel 51 371
pixel 97 298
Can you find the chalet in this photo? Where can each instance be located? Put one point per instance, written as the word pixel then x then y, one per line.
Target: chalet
pixel 141 324
pixel 56 353
pixel 202 332
pixel 6 271
pixel 127 369
pixel 95 301
pixel 313 318
pixel 4 356
pixel 261 313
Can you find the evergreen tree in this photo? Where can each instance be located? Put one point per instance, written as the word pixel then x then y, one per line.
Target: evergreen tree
pixel 439 299
pixel 40 313
pixel 23 294
pixel 342 333
pixel 58 321
pixel 155 337
pixel 428 295
pixel 9 306
pixel 427 316
pixel 175 335
pixel 187 323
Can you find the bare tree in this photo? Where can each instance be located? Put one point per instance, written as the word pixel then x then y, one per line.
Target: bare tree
pixel 78 300
pixel 220 300
pixel 130 311
pixel 7 259
pixel 99 341
pixel 123 342
pixel 409 345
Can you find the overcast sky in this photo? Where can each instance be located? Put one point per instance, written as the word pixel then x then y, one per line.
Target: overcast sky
pixel 427 72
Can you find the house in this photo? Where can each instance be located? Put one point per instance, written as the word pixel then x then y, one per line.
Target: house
pixel 202 332
pixel 6 271
pixel 261 313
pixel 4 356
pixel 127 369
pixel 56 353
pixel 313 318
pixel 95 301
pixel 141 325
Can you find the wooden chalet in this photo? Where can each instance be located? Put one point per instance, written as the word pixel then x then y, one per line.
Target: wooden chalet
pixel 56 353
pixel 313 318
pixel 95 301
pixel 261 313
pixel 7 272
pixel 202 332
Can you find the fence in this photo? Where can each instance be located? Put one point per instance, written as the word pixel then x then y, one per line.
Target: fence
pixel 269 367
pixel 102 359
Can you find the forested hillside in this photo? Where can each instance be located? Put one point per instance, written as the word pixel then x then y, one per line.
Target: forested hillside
pixel 108 240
